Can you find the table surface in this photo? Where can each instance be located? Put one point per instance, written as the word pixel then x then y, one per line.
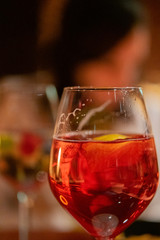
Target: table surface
pixel 51 235
pixel 46 235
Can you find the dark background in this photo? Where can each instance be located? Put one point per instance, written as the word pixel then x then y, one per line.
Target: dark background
pixel 27 25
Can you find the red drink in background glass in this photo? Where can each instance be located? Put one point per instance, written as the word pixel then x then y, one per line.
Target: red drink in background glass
pixel 24 159
pixel 105 185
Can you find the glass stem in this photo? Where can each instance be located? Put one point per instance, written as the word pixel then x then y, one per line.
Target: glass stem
pixel 23 215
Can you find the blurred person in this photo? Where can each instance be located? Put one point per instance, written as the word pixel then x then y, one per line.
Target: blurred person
pixel 102 43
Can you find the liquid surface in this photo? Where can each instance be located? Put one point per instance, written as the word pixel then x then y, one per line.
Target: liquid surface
pixel 105 185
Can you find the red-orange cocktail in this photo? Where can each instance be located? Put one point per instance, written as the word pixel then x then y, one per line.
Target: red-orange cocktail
pixel 105 185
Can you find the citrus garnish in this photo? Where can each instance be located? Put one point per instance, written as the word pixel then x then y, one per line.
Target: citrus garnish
pixel 110 137
pixel 6 142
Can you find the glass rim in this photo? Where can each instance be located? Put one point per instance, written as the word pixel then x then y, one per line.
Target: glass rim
pixel 24 87
pixel 90 88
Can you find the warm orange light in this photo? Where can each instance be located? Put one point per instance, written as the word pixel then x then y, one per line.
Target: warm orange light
pixel 63 200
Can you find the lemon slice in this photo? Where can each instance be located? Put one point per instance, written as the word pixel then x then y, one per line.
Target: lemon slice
pixel 111 137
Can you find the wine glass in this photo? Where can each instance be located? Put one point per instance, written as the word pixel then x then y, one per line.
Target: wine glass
pixel 27 113
pixel 103 164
